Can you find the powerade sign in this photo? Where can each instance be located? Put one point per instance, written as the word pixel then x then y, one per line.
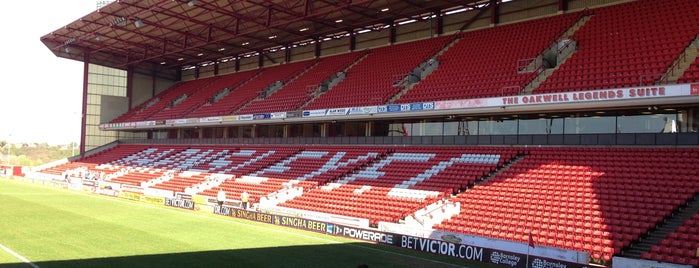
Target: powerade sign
pixel 179 203
pixel 366 235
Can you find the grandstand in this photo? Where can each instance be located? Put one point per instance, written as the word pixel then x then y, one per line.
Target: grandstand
pixel 563 130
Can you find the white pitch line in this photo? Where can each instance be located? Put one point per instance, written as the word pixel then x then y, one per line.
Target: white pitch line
pixel 20 257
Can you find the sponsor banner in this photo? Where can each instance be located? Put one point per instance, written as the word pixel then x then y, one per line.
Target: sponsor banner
pixel 229 118
pixel 366 235
pixel 132 188
pixel 280 115
pixel 446 248
pixel 252 215
pixel 305 224
pixel 180 121
pixel 130 196
pixel 245 117
pixel 106 191
pixel 364 110
pixel 293 114
pixel 110 185
pixel 261 116
pixel 183 196
pixel 538 262
pixel 223 210
pixel 159 122
pixel 570 97
pixel 298 223
pixel 422 106
pixel 157 200
pixel 338 111
pixel 199 199
pixel 505 259
pixel 212 119
pixel 158 192
pixel 314 113
pixel 511 246
pixel 145 123
pixel 179 203
pixel 393 108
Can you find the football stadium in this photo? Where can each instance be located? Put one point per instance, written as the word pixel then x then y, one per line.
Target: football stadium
pixel 372 133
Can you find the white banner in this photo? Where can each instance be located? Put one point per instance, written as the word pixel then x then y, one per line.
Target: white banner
pixel 314 113
pixel 573 97
pixel 279 115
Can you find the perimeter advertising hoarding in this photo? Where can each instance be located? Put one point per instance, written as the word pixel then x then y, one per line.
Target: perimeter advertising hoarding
pixel 439 247
pixel 179 203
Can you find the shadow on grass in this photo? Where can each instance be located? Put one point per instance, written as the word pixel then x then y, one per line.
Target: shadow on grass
pixel 339 255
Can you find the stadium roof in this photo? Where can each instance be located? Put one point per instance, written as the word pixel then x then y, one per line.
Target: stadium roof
pixel 179 33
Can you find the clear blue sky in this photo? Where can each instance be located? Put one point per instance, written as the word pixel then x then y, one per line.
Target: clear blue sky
pixel 40 94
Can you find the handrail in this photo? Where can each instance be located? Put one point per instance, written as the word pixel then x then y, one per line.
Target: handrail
pixel 642 77
pixel 683 57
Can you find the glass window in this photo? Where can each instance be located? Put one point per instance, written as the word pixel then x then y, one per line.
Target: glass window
pixel 541 126
pixel 655 123
pixel 497 127
pixel 590 125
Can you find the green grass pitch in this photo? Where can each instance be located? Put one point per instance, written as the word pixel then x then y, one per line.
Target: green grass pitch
pixel 52 227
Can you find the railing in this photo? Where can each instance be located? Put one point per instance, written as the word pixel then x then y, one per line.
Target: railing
pixel 399 80
pixel 648 77
pixel 683 57
pixel 311 90
pixel 569 46
pixel 530 65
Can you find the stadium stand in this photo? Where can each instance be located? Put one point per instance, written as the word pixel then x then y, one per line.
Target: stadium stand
pixel 253 88
pixel 596 200
pixel 679 246
pixel 483 63
pixel 691 74
pixel 163 101
pixel 606 200
pixel 371 81
pixel 301 90
pixel 205 96
pixel 621 46
pixel 593 200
